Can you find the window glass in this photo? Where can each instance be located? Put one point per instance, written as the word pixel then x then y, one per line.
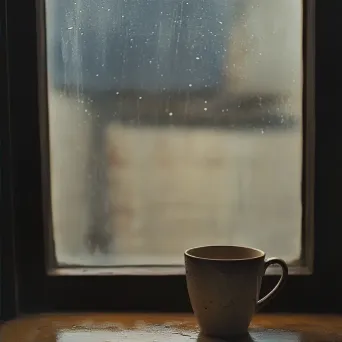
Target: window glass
pixel 174 123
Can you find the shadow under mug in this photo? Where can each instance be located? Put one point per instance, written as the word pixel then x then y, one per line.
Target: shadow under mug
pixel 224 284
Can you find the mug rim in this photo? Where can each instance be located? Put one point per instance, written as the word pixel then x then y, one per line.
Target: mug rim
pixel 188 251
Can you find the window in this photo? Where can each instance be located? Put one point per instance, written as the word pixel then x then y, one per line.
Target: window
pixel 173 124
pixel 155 135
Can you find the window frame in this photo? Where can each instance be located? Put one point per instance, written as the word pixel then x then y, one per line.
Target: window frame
pixel 31 290
pixel 8 302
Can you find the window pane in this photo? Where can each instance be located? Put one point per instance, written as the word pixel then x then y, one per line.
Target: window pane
pixel 174 123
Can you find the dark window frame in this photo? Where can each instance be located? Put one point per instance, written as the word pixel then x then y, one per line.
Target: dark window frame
pixel 8 299
pixel 28 287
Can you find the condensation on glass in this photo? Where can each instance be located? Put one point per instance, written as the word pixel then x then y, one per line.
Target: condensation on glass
pixel 174 123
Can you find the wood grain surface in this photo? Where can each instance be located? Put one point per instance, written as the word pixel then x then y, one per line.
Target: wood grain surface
pixel 163 327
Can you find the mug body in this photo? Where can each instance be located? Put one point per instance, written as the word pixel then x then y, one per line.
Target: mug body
pixel 224 284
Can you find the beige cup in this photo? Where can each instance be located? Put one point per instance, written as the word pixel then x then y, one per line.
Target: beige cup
pixel 224 284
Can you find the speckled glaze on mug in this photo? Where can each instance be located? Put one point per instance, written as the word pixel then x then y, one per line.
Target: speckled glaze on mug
pixel 224 284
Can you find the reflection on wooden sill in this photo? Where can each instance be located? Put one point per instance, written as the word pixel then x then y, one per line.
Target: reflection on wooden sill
pixel 96 327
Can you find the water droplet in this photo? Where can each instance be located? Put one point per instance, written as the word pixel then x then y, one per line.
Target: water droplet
pixel 190 85
pixel 197 58
pixel 70 28
pixel 117 93
pixel 170 113
pixel 205 109
pixel 97 75
pixel 140 97
pixel 205 101
pixel 262 131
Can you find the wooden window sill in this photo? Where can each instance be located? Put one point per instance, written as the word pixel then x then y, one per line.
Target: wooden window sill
pixel 162 327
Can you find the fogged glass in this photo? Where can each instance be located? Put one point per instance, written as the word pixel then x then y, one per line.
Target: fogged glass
pixel 174 123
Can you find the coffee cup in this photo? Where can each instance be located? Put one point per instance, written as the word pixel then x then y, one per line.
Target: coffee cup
pixel 224 284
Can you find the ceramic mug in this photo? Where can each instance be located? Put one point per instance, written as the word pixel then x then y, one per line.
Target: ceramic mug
pixel 224 284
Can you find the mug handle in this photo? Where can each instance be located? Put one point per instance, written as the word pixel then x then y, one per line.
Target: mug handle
pixel 285 272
